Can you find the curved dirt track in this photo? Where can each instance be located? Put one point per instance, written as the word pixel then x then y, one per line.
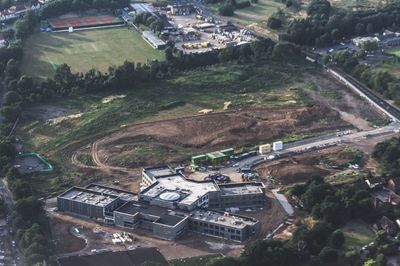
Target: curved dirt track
pixel 174 140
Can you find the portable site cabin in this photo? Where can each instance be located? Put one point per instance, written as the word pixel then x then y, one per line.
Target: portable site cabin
pixel 199 159
pixel 228 152
pixel 216 157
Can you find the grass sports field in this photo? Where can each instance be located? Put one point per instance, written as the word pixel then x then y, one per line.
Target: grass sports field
pixel 83 50
pixel 256 13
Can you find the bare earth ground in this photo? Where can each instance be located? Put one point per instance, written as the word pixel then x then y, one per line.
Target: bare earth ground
pixel 175 140
pixel 352 108
pixel 65 241
pixel 300 168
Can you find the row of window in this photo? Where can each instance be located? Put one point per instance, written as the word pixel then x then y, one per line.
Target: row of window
pixel 240 198
pixel 221 234
pixel 215 227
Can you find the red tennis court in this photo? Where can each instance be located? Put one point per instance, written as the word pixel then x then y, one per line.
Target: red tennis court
pixel 82 22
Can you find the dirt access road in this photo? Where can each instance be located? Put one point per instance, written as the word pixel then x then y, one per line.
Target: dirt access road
pixel 173 140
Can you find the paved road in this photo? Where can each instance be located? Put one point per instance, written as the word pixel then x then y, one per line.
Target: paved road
pixel 365 92
pixel 9 200
pixel 284 202
pixel 312 144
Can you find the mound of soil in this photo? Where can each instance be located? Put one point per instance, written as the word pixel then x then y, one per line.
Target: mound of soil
pixel 197 134
pixel 288 172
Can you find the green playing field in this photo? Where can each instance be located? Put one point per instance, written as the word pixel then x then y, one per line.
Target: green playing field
pixel 83 50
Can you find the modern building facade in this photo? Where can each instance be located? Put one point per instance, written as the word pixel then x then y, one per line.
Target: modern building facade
pixel 169 205
pixel 88 203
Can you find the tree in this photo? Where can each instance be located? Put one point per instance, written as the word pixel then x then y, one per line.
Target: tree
pixel 326 58
pixel 337 239
pixel 168 54
pixel 328 254
pixel 335 34
pixel 21 189
pixel 27 211
pixel 352 257
pixel 370 46
pixel 269 252
pixel 10 113
pixel 13 175
pixel 370 28
pixel 225 261
pixel 226 10
pixel 318 7
pixel 245 50
pixel 274 22
pixel 359 29
pixel 12 98
pixel 379 261
pixel 12 69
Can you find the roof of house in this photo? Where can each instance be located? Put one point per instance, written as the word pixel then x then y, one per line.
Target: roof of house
pixel 385 222
pixel 374 181
pixel 394 199
pixel 396 181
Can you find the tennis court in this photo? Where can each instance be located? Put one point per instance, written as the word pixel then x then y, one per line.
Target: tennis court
pixel 83 22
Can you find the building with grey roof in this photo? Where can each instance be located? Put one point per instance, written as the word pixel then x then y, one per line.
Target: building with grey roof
pixel 153 40
pixel 223 225
pixel 163 223
pixel 88 203
pixel 170 204
pixel 163 187
pixel 123 194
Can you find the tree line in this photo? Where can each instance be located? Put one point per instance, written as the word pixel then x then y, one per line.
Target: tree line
pixel 28 216
pixel 60 7
pixel 380 81
pixel 23 90
pixel 322 28
pixel 228 8
pixel 387 153
pixel 320 244
pixel 147 19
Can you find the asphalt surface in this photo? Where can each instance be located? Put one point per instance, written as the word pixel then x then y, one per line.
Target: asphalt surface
pixel 283 201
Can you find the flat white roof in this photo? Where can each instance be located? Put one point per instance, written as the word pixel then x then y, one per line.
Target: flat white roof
pixel 151 37
pixel 191 190
pixel 226 220
pixel 240 189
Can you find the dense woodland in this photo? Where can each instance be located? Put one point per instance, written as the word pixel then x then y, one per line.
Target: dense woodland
pixel 380 81
pixel 323 27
